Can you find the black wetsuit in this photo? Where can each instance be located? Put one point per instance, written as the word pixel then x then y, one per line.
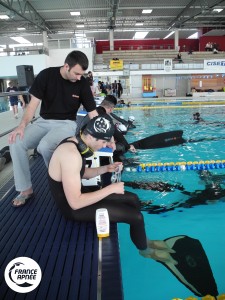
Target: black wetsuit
pixel 122 208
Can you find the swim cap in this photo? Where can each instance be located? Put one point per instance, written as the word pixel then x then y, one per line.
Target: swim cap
pixel 101 127
pixel 131 118
pixel 122 128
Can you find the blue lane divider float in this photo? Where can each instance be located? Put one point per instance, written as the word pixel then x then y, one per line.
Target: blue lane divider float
pixel 178 166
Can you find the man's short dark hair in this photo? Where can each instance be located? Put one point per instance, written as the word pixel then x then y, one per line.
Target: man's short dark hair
pixel 110 99
pixel 77 58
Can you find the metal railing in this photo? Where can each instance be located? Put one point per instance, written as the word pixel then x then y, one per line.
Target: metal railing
pixel 4 95
pixel 20 51
pixel 139 47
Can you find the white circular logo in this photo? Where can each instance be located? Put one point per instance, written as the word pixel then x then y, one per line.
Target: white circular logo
pixel 23 274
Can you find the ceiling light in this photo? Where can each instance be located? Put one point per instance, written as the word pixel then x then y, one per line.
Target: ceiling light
pixel 21 28
pixel 80 34
pixel 4 17
pixel 147 11
pixel 80 26
pixel 217 10
pixel 20 40
pixel 168 35
pixel 140 35
pixel 139 24
pixel 75 13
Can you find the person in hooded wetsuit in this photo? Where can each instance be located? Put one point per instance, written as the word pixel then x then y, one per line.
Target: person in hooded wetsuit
pixel 67 167
pixel 78 203
pixel 107 106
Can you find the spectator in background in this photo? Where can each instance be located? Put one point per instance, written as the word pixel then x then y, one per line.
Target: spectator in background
pixel 119 89
pixel 114 88
pixel 179 57
pixel 97 89
pixel 215 48
pixel 90 80
pixel 208 46
pixel 190 51
pixel 103 88
pixel 14 99
pixel 108 88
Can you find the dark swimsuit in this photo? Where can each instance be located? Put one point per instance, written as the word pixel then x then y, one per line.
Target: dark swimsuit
pixel 122 208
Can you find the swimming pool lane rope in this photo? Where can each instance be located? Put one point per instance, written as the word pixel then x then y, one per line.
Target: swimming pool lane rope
pixel 178 166
pixel 207 297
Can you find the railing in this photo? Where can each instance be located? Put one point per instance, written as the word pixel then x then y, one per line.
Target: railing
pixel 71 43
pixel 4 99
pixel 24 51
pixel 74 42
pixel 155 65
pixel 139 47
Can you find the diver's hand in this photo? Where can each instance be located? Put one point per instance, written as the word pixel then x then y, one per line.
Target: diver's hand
pixel 114 167
pixel 132 149
pixel 118 187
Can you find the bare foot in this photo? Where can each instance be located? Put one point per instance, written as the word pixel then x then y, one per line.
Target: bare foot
pixel 159 245
pixel 159 255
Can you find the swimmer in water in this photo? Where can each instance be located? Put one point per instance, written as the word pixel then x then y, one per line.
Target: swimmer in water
pixel 197 117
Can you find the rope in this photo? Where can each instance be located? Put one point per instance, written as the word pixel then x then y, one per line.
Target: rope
pixel 179 166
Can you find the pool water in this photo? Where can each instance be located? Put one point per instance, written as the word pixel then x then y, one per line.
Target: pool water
pixel 4 105
pixel 186 203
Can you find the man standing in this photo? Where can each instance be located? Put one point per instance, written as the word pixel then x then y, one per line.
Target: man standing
pixel 114 89
pixel 90 80
pixel 119 89
pixel 60 91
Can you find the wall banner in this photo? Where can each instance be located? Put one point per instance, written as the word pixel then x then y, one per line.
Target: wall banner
pixel 214 64
pixel 116 64
pixel 168 65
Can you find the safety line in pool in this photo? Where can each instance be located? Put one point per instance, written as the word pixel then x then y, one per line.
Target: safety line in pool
pixel 178 166
pixel 169 106
pixel 207 297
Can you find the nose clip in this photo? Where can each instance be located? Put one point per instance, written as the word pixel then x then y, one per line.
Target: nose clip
pixel 116 177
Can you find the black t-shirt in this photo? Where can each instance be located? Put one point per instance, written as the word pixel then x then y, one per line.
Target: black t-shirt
pixel 12 89
pixel 61 98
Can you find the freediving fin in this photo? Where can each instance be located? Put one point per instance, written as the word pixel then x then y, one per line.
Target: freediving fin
pixel 160 140
pixel 124 122
pixel 193 268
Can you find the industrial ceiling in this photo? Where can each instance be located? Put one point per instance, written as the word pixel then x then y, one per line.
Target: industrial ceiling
pixel 96 18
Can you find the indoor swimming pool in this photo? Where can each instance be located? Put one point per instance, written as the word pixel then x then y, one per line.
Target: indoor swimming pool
pixel 4 104
pixel 174 203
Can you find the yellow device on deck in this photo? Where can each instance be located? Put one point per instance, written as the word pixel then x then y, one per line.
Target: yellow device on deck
pixel 102 222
